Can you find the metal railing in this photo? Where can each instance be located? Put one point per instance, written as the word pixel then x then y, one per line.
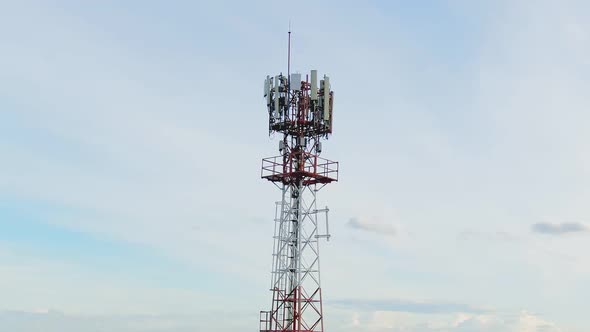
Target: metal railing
pixel 277 167
pixel 264 321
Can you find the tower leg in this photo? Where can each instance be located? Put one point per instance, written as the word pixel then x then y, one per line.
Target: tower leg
pixel 295 284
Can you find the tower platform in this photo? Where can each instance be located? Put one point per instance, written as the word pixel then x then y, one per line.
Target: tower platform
pixel 315 170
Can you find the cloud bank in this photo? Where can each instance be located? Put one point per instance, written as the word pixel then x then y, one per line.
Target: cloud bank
pixel 400 305
pixel 372 226
pixel 559 229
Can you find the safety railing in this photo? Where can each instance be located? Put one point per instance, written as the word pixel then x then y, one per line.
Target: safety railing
pixel 280 167
pixel 264 321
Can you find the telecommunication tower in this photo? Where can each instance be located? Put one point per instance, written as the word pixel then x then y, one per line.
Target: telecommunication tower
pixel 301 112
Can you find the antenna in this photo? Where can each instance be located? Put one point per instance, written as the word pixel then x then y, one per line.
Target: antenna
pixel 289 55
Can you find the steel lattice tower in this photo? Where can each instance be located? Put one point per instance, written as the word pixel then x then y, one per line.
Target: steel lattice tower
pixel 301 112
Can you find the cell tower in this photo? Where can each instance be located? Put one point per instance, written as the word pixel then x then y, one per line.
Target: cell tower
pixel 302 113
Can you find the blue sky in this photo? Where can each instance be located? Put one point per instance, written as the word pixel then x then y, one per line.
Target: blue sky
pixel 131 135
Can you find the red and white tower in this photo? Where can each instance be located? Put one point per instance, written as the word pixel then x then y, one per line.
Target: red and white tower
pixel 301 111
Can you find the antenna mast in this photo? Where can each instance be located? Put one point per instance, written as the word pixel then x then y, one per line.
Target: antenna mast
pixel 289 53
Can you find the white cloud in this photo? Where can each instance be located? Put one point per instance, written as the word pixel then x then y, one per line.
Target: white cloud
pixel 390 321
pixel 382 228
